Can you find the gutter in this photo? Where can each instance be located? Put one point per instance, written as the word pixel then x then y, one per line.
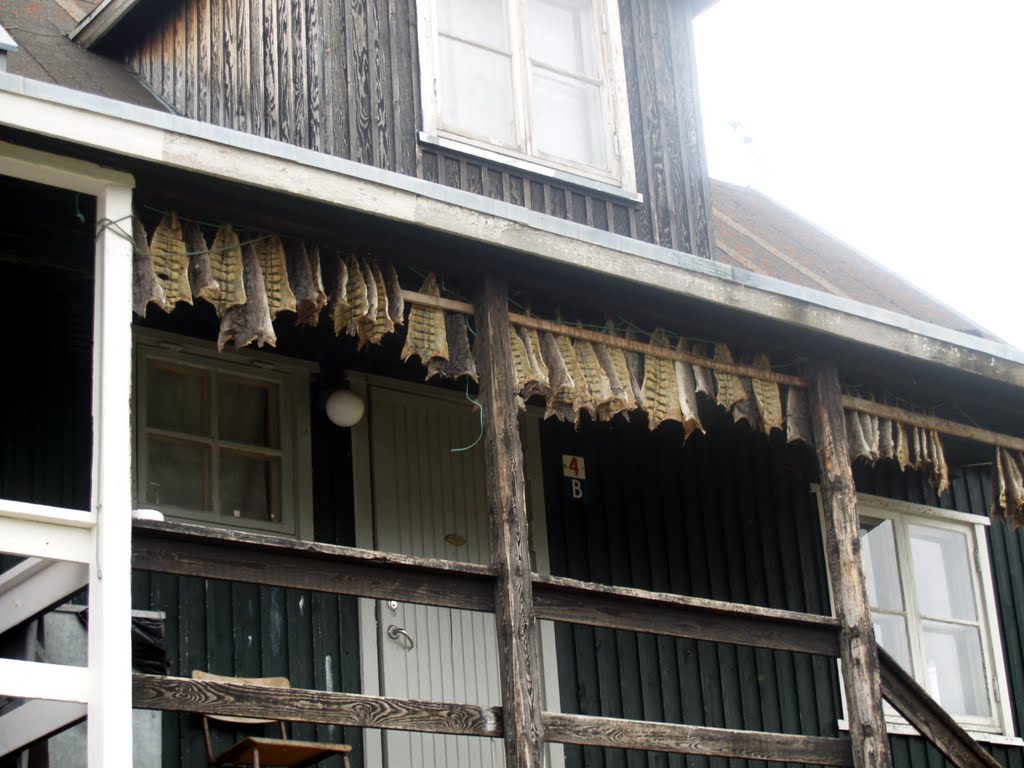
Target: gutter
pixel 204 149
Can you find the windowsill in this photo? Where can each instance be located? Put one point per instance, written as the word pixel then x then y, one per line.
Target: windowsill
pixel 532 167
pixel 903 728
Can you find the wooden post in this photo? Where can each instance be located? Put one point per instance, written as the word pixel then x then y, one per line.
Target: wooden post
pixel 857 648
pixel 506 499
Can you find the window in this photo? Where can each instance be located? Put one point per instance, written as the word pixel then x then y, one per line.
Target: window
pixel 538 80
pixel 221 437
pixel 929 586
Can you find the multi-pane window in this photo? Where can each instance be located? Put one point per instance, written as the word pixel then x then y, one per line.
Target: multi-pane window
pixel 216 439
pixel 931 602
pixel 536 79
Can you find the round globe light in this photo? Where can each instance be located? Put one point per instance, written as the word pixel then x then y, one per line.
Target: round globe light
pixel 344 407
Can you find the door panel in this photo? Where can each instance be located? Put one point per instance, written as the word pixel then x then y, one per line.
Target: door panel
pixel 430 501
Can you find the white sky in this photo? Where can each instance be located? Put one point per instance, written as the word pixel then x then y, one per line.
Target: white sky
pixel 897 125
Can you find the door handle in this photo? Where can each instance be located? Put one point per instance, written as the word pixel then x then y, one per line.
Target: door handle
pixel 396 632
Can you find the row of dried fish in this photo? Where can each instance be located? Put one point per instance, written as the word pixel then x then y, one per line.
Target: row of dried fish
pixel 1008 486
pixel 872 438
pixel 439 339
pixel 250 283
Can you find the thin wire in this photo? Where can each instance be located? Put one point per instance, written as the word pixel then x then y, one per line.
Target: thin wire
pixel 480 410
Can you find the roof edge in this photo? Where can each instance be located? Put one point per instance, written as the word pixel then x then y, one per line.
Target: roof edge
pixel 103 19
pixel 204 149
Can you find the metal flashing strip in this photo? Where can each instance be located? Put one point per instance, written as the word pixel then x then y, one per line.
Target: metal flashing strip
pixel 205 149
pixel 102 20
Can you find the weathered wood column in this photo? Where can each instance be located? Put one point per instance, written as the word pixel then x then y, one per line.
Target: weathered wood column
pixel 506 499
pixel 858 651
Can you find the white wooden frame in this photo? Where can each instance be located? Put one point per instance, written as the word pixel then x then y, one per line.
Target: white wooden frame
pixel 105 685
pixel 291 376
pixel 369 636
pixel 998 728
pixel 620 173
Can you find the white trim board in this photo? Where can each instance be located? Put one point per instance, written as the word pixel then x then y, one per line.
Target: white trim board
pixel 204 149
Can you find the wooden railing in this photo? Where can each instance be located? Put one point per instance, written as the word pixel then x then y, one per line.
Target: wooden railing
pixel 185 549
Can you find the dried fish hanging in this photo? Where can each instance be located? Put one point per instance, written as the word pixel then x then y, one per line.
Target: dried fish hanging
pixel 460 360
pixel 249 322
pixel 200 278
pixel 426 336
pixel 396 302
pixel 687 386
pixel 146 289
pixel 702 376
pixel 660 391
pixel 613 361
pixel 727 385
pixel 306 282
pixel 270 254
pixel 337 305
pixel 170 261
pixel 538 381
pixel 599 387
pixel 767 397
pixel 798 418
pixel 377 323
pixel 559 401
pixel 745 409
pixel 581 397
pixel 524 374
pixel 1008 487
pixel 226 269
pixel 635 369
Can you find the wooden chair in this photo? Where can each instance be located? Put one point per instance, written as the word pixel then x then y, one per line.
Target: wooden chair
pixel 265 752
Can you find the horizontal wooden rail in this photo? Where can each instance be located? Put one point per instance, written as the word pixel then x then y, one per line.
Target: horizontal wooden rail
pixel 195 550
pixel 579 602
pixel 696 740
pixel 181 694
pixel 927 715
pixel 178 694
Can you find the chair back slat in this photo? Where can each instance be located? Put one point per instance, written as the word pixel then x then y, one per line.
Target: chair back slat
pixel 264 682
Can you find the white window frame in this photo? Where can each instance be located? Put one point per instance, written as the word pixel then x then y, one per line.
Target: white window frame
pixel 999 727
pixel 292 378
pixel 619 177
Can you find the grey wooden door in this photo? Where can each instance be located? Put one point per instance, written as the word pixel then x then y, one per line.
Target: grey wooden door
pixel 430 501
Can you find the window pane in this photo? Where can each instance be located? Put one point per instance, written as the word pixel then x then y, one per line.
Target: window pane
pixel 247 413
pixel 250 487
pixel 891 633
pixel 177 399
pixel 562 34
pixel 178 475
pixel 955 673
pixel 878 552
pixel 475 92
pixel 942 573
pixel 567 118
pixel 482 21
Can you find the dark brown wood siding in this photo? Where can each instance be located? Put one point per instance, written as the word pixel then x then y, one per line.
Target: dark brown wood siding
pixel 341 77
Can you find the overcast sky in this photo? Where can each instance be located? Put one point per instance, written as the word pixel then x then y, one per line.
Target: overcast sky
pixel 897 125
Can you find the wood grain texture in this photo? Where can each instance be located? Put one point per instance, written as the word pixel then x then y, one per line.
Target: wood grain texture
pixel 562 599
pixel 182 549
pixel 696 740
pixel 927 715
pixel 178 694
pixel 858 650
pixel 506 498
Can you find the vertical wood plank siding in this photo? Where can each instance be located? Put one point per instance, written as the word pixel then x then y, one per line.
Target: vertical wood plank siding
pixel 341 76
pixel 244 629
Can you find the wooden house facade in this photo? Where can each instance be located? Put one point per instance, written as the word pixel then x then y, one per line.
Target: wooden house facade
pixel 629 568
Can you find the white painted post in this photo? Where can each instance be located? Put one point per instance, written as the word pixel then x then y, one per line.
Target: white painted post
pixel 110 652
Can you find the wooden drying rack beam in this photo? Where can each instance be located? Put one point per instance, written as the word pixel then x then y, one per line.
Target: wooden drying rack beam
pixel 850 403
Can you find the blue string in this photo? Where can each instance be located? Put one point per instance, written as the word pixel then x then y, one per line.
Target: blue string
pixel 480 409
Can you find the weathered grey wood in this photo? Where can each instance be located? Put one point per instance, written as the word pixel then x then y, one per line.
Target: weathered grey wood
pixel 257 75
pixel 927 715
pixel 506 498
pixel 577 602
pixel 696 740
pixel 300 81
pixel 285 97
pixel 271 69
pixel 858 650
pixel 358 87
pixel 314 46
pixel 188 550
pixel 179 694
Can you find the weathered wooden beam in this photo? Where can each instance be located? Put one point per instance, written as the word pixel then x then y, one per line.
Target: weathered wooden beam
pixel 927 715
pixel 506 500
pixel 179 694
pixel 696 740
pixel 578 602
pixel 858 650
pixel 193 550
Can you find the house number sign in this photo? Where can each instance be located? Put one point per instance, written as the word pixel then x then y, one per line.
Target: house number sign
pixel 574 470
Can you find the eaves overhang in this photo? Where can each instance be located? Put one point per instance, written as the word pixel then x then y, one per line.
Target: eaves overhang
pixel 207 150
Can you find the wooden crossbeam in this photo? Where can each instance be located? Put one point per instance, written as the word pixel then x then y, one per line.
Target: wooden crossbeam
pixel 578 602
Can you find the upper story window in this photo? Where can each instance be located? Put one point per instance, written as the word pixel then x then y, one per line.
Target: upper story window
pixel 540 81
pixel 930 590
pixel 221 438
